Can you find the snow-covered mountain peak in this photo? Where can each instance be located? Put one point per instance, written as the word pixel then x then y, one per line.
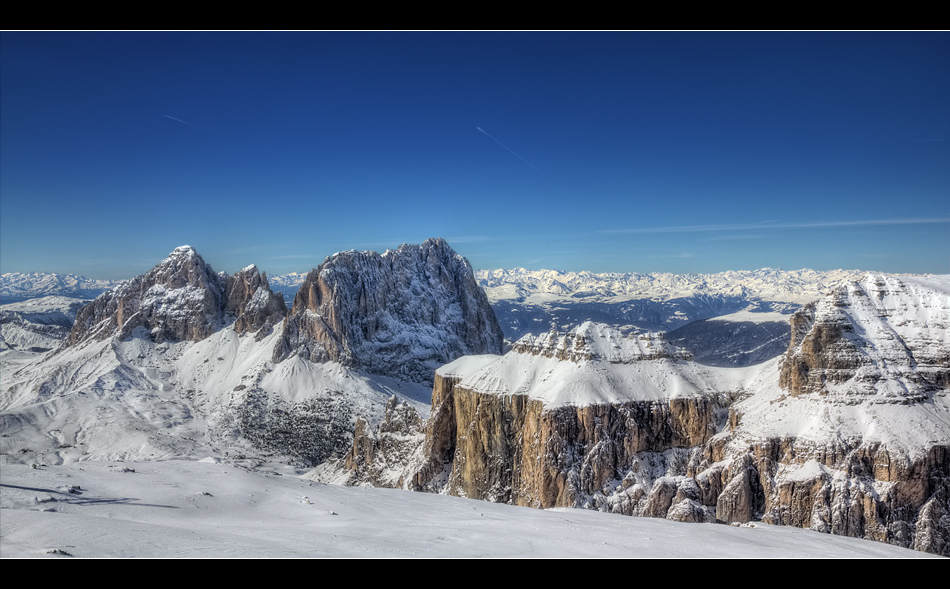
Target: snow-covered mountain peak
pixel 181 298
pixel 183 251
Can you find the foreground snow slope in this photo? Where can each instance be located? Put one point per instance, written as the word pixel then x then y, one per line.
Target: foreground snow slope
pixel 201 509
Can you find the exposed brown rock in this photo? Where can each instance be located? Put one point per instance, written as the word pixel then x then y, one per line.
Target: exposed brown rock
pixel 248 297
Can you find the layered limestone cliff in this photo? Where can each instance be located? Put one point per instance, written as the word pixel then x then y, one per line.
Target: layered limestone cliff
pixel 402 313
pixel 181 299
pixel 848 433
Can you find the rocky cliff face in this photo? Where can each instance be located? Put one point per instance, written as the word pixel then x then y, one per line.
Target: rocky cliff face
pixel 848 434
pixel 884 336
pixel 181 299
pixel 402 313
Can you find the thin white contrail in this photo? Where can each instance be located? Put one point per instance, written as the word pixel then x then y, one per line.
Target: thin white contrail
pixel 512 153
pixel 181 121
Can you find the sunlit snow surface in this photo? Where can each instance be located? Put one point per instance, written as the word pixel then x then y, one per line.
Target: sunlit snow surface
pixel 180 508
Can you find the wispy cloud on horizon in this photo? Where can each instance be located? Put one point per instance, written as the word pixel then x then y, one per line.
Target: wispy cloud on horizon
pixel 774 225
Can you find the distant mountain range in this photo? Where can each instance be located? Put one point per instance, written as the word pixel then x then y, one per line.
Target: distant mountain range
pixel 19 286
pixel 527 301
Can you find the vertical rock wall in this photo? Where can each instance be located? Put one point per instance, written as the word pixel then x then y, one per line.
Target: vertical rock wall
pixel 403 313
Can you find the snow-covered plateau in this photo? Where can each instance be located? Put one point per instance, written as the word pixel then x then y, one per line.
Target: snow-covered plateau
pixel 674 397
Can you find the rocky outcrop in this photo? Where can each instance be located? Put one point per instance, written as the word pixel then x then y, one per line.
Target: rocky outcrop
pixel 582 343
pixel 249 299
pixel 861 489
pixel 657 459
pixel 384 456
pixel 512 449
pixel 516 448
pixel 402 313
pixel 180 299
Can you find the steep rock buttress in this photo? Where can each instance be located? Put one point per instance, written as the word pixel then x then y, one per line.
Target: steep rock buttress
pixel 402 313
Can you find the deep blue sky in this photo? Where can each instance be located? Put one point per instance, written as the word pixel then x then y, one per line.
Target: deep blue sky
pixel 609 152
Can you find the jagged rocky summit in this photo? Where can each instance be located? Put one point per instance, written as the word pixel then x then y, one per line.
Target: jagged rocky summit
pixel 848 432
pixel 182 299
pixel 402 313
